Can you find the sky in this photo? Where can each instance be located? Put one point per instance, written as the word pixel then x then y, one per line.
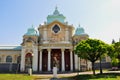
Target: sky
pixel 99 18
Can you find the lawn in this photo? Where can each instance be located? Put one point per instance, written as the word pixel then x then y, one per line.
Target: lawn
pixel 105 76
pixel 15 77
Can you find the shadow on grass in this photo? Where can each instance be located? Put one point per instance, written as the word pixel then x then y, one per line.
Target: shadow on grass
pixel 104 76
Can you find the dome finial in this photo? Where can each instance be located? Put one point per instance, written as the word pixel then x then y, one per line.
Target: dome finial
pixel 56 12
pixel 56 7
pixel 32 26
pixel 79 25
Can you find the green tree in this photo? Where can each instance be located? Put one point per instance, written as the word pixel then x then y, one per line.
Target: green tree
pixel 114 53
pixel 91 49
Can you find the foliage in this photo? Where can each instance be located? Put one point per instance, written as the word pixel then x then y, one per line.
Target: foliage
pixel 114 53
pixel 91 49
pixel 115 62
pixel 111 51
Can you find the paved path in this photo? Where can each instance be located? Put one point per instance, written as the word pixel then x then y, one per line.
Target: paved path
pixel 49 76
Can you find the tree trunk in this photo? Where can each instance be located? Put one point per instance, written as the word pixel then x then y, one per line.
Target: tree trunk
pixel 100 66
pixel 93 68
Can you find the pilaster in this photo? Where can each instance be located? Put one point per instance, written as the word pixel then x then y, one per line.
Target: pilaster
pixel 66 35
pixel 35 59
pixel 22 66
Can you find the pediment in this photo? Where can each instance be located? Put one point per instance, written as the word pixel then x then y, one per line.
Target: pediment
pixel 61 25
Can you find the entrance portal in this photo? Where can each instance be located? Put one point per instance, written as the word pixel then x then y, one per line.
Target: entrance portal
pixel 28 61
pixel 56 58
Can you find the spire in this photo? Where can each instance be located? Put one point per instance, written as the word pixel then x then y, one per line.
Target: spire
pixel 32 26
pixel 56 12
pixel 79 25
pixel 56 7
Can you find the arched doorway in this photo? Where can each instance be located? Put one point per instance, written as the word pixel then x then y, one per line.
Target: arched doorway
pixel 28 61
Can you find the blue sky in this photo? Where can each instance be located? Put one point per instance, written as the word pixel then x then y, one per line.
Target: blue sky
pixel 99 18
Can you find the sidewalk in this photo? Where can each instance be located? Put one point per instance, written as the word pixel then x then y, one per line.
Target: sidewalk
pixel 48 76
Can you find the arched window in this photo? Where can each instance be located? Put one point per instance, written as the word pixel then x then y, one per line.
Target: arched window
pixel 8 59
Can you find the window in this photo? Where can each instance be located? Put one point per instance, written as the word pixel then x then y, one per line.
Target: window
pixel 56 29
pixel 8 59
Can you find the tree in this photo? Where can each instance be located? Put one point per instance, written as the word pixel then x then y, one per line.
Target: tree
pixel 91 49
pixel 114 53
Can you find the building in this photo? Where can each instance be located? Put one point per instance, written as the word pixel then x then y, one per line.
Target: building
pixel 52 46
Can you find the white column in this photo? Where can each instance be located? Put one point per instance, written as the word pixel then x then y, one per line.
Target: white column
pixel 35 59
pixel 40 60
pixel 49 60
pixel 63 61
pixel 22 65
pixel 76 62
pixel 71 60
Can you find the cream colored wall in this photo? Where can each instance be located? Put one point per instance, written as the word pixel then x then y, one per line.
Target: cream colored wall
pixel 13 54
pixel 57 37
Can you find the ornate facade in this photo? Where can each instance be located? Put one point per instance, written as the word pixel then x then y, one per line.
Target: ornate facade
pixel 51 45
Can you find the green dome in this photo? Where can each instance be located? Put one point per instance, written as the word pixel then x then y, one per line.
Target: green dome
pixel 31 32
pixel 80 31
pixel 55 16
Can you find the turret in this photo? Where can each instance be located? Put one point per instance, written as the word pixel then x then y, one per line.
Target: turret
pixel 79 35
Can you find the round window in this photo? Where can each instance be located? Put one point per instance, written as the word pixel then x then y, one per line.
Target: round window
pixel 56 29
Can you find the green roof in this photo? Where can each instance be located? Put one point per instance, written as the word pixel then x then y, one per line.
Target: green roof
pixel 56 16
pixel 7 47
pixel 80 31
pixel 31 32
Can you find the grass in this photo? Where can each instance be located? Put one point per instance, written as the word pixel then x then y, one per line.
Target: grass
pixel 15 77
pixel 105 76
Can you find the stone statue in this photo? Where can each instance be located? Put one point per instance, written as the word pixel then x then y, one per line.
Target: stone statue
pixel 55 63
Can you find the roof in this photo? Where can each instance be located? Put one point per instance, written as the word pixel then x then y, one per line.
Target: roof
pixel 31 32
pixel 80 31
pixel 10 47
pixel 56 16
